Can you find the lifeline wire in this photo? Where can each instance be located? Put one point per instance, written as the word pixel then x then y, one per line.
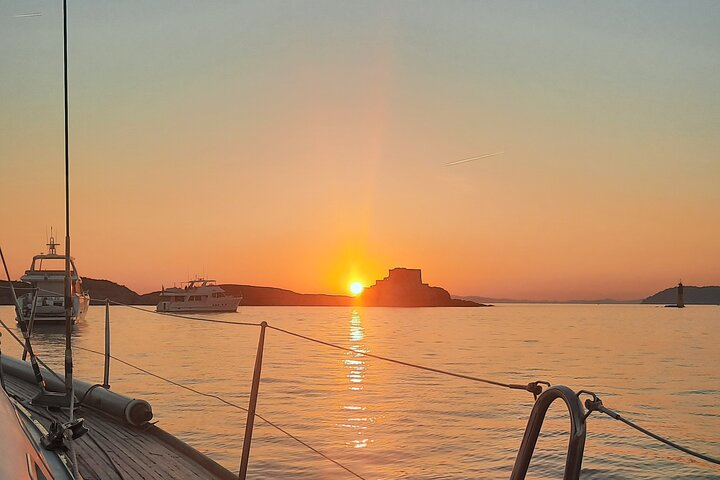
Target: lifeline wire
pixel 321 342
pixel 532 387
pixel 452 374
pixel 392 360
pixel 234 405
pixel 167 314
pixel 617 416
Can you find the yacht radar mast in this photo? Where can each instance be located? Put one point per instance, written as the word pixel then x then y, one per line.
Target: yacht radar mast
pixel 51 245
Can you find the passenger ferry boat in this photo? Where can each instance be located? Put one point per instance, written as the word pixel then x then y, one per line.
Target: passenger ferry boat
pixel 199 295
pixel 47 276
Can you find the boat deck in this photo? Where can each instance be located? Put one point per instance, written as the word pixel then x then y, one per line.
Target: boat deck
pixel 141 453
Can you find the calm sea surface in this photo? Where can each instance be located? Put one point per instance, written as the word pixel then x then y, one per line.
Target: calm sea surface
pixel 657 366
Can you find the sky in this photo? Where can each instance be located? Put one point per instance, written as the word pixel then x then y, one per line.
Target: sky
pixel 303 144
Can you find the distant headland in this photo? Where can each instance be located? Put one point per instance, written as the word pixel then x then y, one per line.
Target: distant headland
pixel 709 295
pixel 692 295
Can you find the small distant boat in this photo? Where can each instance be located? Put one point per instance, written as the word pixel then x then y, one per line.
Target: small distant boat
pixel 199 295
pixel 47 276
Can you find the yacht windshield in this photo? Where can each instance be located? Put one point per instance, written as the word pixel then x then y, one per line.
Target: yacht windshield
pixel 49 264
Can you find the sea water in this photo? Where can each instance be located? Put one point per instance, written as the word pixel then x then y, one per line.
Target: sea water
pixel 654 365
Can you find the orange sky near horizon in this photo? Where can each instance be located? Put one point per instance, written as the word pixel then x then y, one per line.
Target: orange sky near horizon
pixel 304 146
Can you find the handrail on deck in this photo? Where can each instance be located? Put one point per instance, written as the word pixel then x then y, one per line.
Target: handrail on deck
pixel 576 445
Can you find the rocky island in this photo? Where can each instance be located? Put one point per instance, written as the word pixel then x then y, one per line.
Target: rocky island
pixel 403 287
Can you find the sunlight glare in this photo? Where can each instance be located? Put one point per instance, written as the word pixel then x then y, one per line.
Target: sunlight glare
pixel 356 288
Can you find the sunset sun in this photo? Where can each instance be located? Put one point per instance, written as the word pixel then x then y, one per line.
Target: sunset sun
pixel 356 288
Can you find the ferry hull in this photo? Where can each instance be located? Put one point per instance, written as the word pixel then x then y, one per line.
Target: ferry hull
pixel 172 307
pixel 199 296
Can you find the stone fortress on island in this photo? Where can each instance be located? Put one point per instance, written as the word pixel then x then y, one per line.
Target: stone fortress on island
pixel 403 287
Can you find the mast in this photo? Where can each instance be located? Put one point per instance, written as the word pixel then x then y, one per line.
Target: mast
pixel 68 281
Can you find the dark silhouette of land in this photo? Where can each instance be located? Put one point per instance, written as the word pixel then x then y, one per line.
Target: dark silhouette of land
pixel 692 295
pixel 403 287
pixel 251 295
pixel 410 293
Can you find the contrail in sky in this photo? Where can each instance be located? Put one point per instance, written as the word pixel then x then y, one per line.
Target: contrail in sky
pixel 473 158
pixel 23 15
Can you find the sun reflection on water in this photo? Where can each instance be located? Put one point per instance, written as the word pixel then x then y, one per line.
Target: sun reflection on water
pixel 356 367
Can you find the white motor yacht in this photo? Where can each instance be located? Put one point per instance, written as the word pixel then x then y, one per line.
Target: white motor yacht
pixel 199 295
pixel 47 276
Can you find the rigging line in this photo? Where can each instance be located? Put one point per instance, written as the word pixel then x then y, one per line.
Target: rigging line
pixel 23 326
pixel 187 317
pixel 231 404
pixel 617 416
pixel 45 365
pixel 399 362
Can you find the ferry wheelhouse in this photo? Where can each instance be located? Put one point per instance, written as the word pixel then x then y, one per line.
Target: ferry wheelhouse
pixel 47 277
pixel 199 295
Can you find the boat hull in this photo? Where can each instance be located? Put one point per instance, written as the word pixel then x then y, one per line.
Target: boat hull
pixel 199 296
pixel 54 311
pixel 176 307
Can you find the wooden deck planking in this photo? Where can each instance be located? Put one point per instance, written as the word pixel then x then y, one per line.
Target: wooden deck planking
pixel 136 452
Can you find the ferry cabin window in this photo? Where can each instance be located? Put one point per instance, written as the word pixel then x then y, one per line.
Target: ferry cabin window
pixel 218 295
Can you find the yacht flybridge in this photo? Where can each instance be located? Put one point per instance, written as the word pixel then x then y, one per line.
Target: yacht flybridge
pixel 199 295
pixel 47 276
